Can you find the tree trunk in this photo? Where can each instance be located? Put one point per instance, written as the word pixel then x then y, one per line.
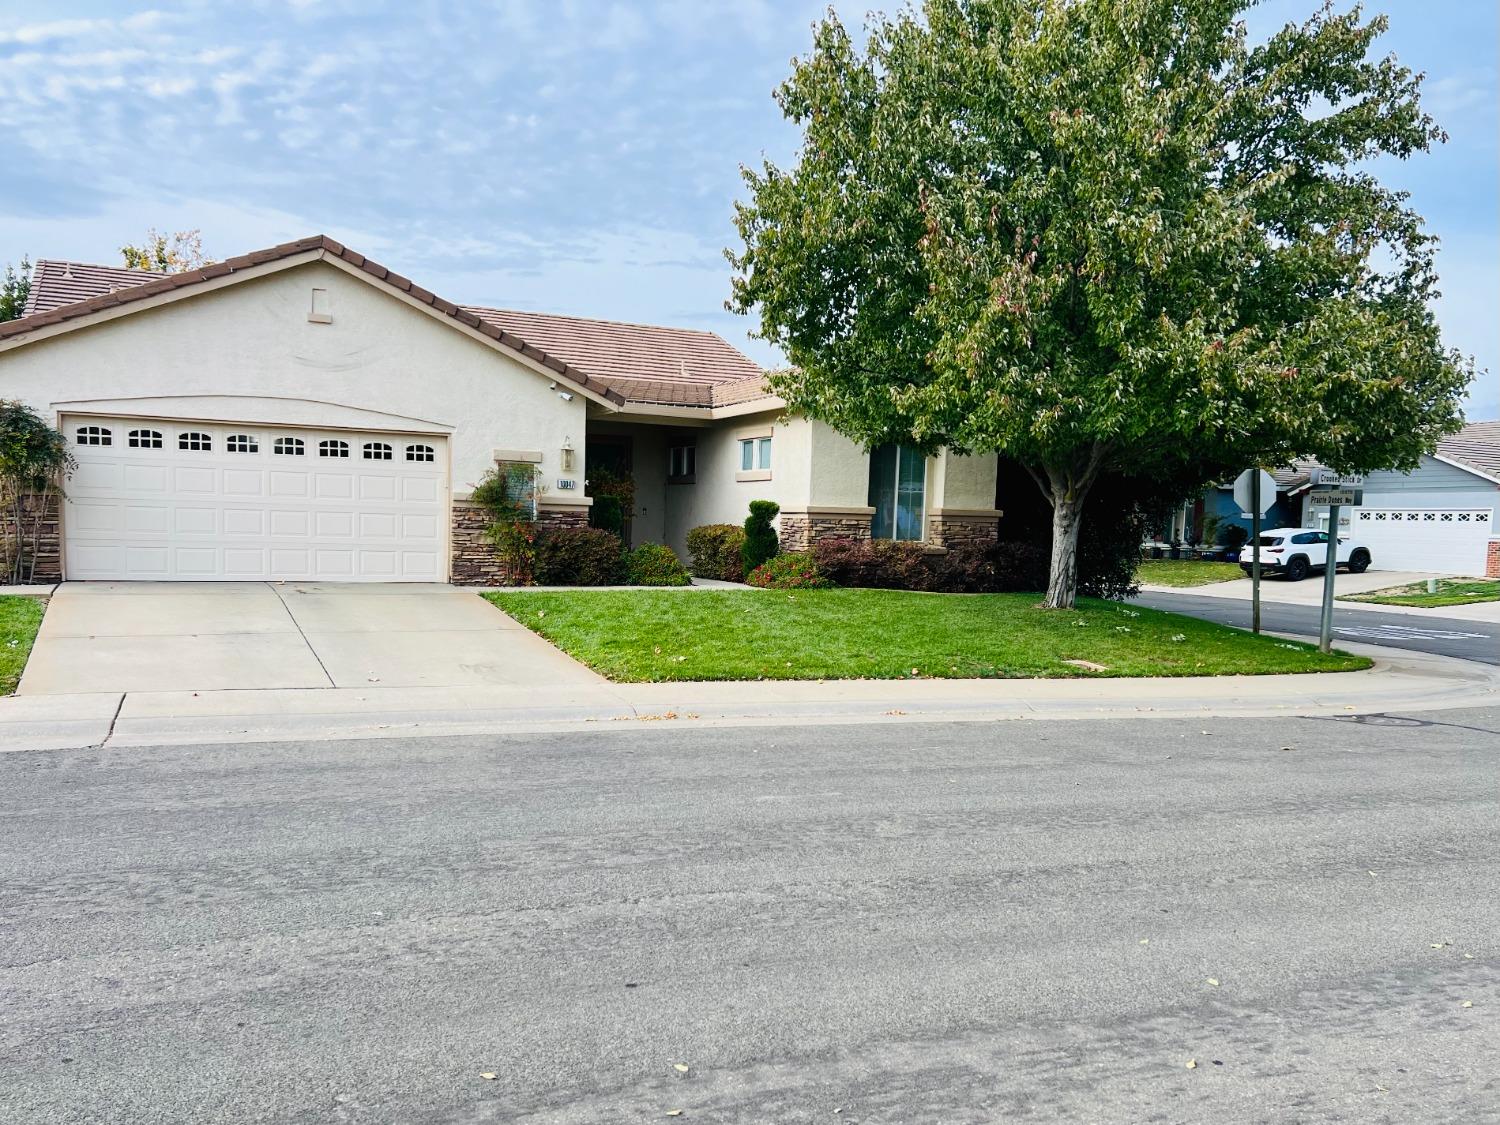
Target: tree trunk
pixel 1062 578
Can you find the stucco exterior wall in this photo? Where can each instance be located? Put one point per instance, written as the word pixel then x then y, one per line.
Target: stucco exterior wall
pixel 717 495
pixel 248 352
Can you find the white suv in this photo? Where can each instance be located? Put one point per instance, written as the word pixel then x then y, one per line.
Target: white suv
pixel 1296 551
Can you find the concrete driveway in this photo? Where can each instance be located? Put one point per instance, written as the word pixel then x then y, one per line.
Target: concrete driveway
pixel 153 636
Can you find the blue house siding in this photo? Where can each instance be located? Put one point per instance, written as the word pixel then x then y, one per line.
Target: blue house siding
pixel 1220 502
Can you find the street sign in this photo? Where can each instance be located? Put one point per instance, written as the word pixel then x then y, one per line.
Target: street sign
pixel 1327 478
pixel 1243 492
pixel 1344 497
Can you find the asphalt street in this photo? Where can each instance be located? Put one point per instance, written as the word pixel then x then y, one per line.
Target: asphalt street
pixel 1467 640
pixel 1123 921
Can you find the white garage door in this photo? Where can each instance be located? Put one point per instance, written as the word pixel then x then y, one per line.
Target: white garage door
pixel 1441 540
pixel 189 501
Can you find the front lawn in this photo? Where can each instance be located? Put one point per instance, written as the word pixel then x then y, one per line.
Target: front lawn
pixel 20 617
pixel 1450 591
pixel 1186 572
pixel 652 635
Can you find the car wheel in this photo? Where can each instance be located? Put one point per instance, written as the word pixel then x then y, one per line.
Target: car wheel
pixel 1359 562
pixel 1296 570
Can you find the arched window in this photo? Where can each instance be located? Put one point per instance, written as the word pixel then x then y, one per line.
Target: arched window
pixel 289 447
pixel 420 453
pixel 144 439
pixel 242 443
pixel 195 440
pixel 377 451
pixel 333 448
pixel 92 435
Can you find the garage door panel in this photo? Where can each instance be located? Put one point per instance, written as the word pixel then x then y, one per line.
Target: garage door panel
pixel 244 482
pixel 196 521
pixel 232 508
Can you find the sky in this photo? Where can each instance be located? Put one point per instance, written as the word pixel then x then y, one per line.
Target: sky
pixel 565 156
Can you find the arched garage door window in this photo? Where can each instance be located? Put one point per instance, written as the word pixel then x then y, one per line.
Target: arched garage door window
pixel 898 489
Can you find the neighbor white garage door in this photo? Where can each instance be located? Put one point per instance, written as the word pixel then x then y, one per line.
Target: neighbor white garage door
pixel 189 501
pixel 1441 540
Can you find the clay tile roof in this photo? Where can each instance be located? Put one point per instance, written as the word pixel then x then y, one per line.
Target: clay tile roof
pixel 54 283
pixel 646 363
pixel 1477 445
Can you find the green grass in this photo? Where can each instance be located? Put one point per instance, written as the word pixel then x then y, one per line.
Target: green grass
pixel 1450 591
pixel 20 617
pixel 1186 572
pixel 653 635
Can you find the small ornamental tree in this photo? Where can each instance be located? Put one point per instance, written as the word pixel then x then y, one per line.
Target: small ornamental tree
pixel 761 542
pixel 15 284
pixel 34 459
pixel 1103 236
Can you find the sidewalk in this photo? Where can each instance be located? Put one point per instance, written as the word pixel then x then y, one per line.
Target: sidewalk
pixel 1310 592
pixel 1400 682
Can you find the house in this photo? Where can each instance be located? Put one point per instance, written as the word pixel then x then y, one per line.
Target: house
pixel 1442 517
pixel 302 412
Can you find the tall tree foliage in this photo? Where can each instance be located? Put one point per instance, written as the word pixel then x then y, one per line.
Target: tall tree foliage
pixel 174 253
pixel 34 459
pixel 14 287
pixel 1103 236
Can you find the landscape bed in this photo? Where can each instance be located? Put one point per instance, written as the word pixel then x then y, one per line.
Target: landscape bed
pixel 20 617
pixel 658 635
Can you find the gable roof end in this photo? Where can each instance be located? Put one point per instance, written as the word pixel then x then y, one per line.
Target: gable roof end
pixel 168 283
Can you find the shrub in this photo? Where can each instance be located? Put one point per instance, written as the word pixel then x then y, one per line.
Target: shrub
pixel 608 514
pixel 1236 536
pixel 993 568
pixel 760 542
pixel 795 570
pixel 507 492
pixel 579 556
pixel 882 564
pixel 715 548
pixel 652 564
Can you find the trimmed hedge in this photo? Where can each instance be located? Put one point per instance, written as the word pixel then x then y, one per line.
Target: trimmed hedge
pixel 653 564
pixel 996 568
pixel 579 556
pixel 795 570
pixel 715 548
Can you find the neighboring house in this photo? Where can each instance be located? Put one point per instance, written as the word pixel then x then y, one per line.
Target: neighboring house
pixel 304 413
pixel 1443 516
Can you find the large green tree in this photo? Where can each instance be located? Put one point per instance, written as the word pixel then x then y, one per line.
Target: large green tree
pixel 1103 236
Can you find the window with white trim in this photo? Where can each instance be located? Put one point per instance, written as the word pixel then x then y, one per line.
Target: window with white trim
pixel 289 447
pixel 755 453
pixel 242 443
pixel 333 448
pixel 682 462
pixel 420 453
pixel 144 439
pixel 377 451
pixel 93 435
pixel 195 440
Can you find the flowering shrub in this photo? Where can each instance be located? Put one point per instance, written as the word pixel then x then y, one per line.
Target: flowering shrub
pixel 795 570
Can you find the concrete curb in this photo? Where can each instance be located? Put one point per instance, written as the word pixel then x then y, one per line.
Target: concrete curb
pixel 1478 612
pixel 1400 681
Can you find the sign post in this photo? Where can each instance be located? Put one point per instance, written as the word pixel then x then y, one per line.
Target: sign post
pixel 1250 491
pixel 1336 491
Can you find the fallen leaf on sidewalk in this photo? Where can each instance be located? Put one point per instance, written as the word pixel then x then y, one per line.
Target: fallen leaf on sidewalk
pixel 1213 982
pixel 674 1113
pixel 487 1076
pixel 1192 1064
pixel 1467 1004
pixel 681 1068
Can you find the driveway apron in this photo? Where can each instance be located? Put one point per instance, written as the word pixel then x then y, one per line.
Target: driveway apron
pixel 215 636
